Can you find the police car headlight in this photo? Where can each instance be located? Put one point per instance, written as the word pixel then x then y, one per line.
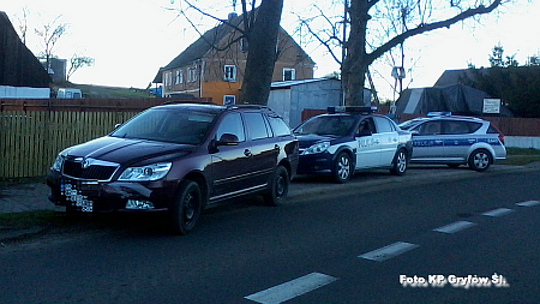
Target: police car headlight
pixel 145 173
pixel 317 148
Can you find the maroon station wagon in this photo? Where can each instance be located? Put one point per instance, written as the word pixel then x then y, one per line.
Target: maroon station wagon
pixel 178 158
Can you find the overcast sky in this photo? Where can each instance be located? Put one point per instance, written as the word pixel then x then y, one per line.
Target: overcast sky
pixel 131 40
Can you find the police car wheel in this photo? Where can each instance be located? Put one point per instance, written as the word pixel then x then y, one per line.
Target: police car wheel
pixel 399 166
pixel 343 168
pixel 480 160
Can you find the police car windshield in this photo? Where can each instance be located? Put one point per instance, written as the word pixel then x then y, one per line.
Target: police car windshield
pixel 410 123
pixel 326 125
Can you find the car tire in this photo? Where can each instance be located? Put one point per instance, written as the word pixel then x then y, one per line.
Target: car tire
pixel 343 168
pixel 400 163
pixel 480 160
pixel 187 207
pixel 278 187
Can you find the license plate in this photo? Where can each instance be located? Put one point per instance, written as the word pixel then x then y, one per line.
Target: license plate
pixel 75 194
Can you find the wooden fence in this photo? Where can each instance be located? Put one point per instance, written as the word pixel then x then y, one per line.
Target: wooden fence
pixel 33 132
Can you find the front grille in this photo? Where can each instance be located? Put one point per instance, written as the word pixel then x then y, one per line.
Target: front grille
pixel 94 172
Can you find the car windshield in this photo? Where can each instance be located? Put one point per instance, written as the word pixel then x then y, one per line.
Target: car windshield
pixel 326 125
pixel 167 125
pixel 410 123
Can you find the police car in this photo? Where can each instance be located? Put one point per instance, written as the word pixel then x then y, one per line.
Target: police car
pixel 348 139
pixel 443 138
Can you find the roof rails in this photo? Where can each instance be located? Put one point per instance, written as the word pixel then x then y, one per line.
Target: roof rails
pixel 350 109
pixel 170 102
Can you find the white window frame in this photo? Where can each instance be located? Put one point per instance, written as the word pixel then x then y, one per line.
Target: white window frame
pixel 292 71
pixel 192 74
pixel 229 72
pixel 179 77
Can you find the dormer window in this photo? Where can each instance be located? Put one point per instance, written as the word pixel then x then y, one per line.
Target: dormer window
pixel 288 74
pixel 229 73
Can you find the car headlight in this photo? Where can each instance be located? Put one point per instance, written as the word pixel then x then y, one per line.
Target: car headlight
pixel 145 173
pixel 317 148
pixel 58 162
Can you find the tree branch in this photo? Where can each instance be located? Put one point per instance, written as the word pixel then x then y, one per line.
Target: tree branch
pixel 422 28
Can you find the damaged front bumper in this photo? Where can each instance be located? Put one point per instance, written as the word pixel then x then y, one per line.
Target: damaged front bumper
pixel 95 196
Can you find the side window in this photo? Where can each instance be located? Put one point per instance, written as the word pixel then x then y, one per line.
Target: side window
pixel 474 126
pixel 279 127
pixel 384 125
pixel 256 125
pixel 456 127
pixel 367 125
pixel 430 128
pixel 232 124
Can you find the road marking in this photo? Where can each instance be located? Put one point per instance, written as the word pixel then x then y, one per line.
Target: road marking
pixel 387 252
pixel 498 212
pixel 291 289
pixel 528 204
pixel 454 227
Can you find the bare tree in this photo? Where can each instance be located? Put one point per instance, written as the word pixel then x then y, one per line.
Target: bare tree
pixel 50 33
pixel 259 28
pixel 77 62
pixel 364 18
pixel 23 24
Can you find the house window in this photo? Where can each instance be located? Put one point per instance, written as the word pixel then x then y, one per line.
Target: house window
pixel 243 45
pixel 192 74
pixel 229 73
pixel 288 74
pixel 179 77
pixel 168 79
pixel 229 100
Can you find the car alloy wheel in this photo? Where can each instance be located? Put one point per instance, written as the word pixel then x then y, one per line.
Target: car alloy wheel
pixel 400 163
pixel 343 168
pixel 480 160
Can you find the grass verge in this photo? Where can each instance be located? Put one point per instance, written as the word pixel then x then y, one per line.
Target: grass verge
pixel 520 156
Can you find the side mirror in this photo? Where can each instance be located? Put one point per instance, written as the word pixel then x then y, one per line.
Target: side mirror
pixel 228 139
pixel 415 132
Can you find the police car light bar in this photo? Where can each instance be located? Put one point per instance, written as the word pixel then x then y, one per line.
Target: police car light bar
pixel 429 114
pixel 351 109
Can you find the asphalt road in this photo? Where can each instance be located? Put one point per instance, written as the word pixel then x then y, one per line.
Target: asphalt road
pixel 356 245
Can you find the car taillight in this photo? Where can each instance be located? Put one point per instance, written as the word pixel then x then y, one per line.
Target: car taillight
pixel 501 135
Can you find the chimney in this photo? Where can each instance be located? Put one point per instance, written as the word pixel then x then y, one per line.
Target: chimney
pixel 232 16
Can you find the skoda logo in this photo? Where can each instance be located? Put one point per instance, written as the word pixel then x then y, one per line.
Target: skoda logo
pixel 86 164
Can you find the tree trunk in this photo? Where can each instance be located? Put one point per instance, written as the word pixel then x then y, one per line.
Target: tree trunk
pixel 262 55
pixel 356 61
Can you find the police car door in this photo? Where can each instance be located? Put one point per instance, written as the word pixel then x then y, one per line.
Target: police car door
pixel 428 145
pixel 366 152
pixel 458 138
pixel 387 140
